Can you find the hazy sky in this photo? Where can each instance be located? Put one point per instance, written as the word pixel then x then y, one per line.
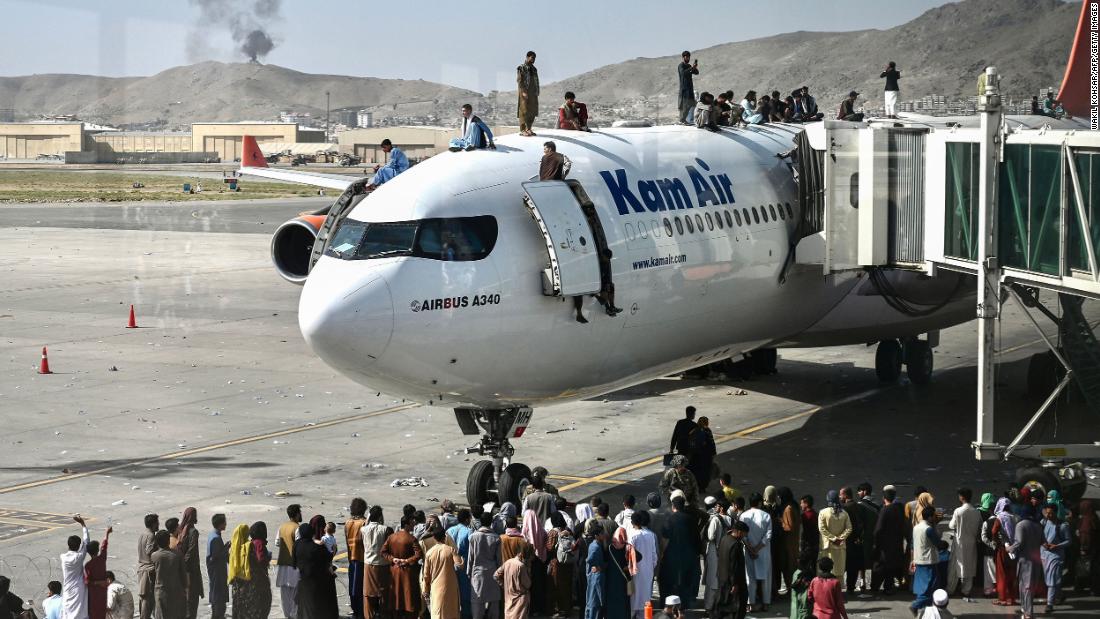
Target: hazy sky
pixel 436 41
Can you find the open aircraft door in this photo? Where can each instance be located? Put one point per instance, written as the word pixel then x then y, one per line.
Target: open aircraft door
pixel 574 267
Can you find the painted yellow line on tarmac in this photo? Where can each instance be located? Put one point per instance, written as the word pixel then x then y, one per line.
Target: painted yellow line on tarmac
pixel 613 482
pixel 183 453
pixel 748 432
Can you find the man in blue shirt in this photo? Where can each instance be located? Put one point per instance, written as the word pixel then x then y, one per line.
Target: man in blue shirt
pixel 475 133
pixel 1056 538
pixel 52 604
pixel 217 567
pixel 596 563
pixel 397 164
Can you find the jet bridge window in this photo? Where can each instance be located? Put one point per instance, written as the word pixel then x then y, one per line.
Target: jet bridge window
pixel 449 239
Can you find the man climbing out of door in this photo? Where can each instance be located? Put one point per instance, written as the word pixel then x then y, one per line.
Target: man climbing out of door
pixel 606 295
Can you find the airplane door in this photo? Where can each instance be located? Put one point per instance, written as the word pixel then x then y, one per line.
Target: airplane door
pixel 574 267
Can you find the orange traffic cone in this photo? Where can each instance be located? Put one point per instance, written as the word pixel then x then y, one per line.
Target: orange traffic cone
pixel 133 320
pixel 44 366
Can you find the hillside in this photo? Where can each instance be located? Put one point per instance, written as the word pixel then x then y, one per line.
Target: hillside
pixel 215 91
pixel 941 51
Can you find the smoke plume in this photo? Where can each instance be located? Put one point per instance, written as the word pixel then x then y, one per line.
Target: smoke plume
pixel 248 22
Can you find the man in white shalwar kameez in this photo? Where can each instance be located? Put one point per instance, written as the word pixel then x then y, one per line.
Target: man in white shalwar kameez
pixel 966 524
pixel 74 593
pixel 717 525
pixel 644 542
pixel 758 559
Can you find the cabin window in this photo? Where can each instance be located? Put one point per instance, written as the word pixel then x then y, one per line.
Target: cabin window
pixel 737 214
pixel 690 226
pixel 679 225
pixel 717 219
pixel 699 221
pixel 748 218
pixel 790 213
pixel 729 222
pixel 642 230
pixel 755 216
pixel 771 209
pixel 668 227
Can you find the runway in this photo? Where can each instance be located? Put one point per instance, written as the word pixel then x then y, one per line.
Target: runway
pixel 216 402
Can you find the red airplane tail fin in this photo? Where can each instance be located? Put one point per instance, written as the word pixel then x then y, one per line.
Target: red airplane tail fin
pixel 1076 84
pixel 251 155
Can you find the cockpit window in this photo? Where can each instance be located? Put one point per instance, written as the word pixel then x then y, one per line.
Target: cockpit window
pixel 457 239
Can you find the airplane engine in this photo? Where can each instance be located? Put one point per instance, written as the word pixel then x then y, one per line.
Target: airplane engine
pixel 292 246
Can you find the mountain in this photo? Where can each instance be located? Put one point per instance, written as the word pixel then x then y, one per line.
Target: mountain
pixel 940 52
pixel 216 91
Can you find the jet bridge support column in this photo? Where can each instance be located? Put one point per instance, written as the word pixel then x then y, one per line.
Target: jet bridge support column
pixel 989 304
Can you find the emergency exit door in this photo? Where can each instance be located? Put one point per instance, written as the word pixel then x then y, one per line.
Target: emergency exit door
pixel 574 267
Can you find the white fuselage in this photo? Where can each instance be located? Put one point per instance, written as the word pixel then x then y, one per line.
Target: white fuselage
pixel 482 333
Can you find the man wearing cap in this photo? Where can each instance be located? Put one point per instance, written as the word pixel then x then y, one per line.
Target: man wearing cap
pixel 733 594
pixel 596 564
pixel 672 608
pixel 758 542
pixel 938 610
pixel 680 566
pixel 848 110
pixel 889 538
pixel 680 478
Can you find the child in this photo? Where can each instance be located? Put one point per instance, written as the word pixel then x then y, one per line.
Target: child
pixel 728 490
pixel 329 538
pixel 824 594
pixel 800 583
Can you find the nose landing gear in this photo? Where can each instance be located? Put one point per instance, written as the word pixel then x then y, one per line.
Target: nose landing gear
pixel 498 479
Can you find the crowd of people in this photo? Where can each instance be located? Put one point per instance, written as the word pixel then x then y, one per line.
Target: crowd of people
pixel 542 556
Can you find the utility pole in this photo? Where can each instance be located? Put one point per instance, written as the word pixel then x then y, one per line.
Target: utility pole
pixel 327 99
pixel 989 281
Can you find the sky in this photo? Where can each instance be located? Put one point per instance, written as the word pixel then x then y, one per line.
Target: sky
pixel 474 45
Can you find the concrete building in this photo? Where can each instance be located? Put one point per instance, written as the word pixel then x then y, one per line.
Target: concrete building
pixel 142 141
pixel 417 142
pixel 225 138
pixel 29 140
pixel 365 119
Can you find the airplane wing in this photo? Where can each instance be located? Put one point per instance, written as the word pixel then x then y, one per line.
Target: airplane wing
pixel 254 163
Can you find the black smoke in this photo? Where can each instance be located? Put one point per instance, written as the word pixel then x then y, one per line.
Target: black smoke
pixel 248 22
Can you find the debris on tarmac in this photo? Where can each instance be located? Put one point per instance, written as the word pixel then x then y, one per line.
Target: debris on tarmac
pixel 119 502
pixel 409 482
pixel 373 465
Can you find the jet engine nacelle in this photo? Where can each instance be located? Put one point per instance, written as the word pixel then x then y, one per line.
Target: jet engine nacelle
pixel 292 247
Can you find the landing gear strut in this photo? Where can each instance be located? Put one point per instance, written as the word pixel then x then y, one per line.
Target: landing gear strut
pixel 914 353
pixel 499 479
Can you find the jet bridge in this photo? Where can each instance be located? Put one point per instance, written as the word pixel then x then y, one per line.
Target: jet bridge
pixel 1014 201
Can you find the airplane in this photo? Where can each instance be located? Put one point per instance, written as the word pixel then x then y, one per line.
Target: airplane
pixel 458 282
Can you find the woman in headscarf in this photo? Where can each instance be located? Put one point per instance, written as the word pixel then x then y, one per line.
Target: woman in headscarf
pixel 924 499
pixel 506 510
pixel 987 548
pixel 1088 536
pixel 1003 534
pixel 785 553
pixel 187 544
pixel 834 526
pixel 1055 498
pixel 432 525
pixel 561 549
pixel 535 535
pixel 317 580
pixel 622 566
pixel 249 561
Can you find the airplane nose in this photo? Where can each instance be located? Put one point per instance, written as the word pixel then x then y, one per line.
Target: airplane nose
pixel 349 326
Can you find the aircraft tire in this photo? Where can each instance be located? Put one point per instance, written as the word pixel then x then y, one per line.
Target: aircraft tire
pixel 1038 477
pixel 479 483
pixel 918 362
pixel 513 479
pixel 888 361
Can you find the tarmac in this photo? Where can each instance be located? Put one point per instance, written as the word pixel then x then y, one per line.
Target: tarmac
pixel 216 402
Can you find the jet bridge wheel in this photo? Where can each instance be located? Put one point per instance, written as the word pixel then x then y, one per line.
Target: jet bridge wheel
pixel 888 361
pixel 479 483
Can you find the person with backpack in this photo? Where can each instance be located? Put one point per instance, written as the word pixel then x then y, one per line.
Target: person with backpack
pixel 561 549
